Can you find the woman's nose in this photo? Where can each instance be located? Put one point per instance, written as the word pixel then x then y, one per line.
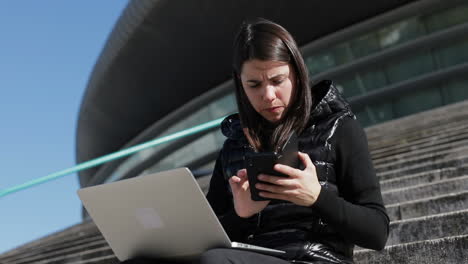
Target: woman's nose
pixel 269 94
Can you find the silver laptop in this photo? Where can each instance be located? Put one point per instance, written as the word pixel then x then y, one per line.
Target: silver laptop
pixel 162 215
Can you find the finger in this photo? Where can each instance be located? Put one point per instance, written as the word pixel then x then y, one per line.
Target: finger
pixel 283 181
pixel 277 189
pixel 270 188
pixel 289 195
pixel 270 195
pixel 285 169
pixel 305 159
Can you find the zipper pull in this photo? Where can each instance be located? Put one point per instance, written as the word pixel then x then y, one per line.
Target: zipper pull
pixel 258 218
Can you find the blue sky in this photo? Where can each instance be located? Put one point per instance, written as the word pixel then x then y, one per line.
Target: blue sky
pixel 47 51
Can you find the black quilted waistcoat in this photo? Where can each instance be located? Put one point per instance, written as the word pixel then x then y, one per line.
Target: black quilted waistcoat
pixel 297 229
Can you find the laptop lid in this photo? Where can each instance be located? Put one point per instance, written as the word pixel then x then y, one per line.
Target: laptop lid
pixel 163 215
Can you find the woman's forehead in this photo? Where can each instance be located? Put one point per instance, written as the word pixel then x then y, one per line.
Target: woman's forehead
pixel 257 68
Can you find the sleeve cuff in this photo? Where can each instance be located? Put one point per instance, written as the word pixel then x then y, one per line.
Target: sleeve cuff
pixel 330 207
pixel 323 200
pixel 232 219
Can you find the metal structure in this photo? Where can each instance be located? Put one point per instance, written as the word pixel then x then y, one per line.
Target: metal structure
pixel 164 60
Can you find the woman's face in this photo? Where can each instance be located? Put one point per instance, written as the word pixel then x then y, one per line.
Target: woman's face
pixel 269 86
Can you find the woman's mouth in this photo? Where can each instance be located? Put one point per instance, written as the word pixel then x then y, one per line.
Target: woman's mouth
pixel 274 109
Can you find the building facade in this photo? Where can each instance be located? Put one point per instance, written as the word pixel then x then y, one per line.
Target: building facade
pixel 166 67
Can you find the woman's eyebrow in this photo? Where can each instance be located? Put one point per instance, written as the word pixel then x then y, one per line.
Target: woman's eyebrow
pixel 272 77
pixel 278 75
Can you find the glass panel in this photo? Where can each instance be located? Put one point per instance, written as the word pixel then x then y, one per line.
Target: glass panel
pixel 364 119
pixel 365 45
pixel 400 32
pixel 455 54
pixel 213 110
pixel 410 67
pixel 382 111
pixel 327 59
pixel 198 148
pixel 455 91
pixel 342 54
pixel 320 62
pixel 417 101
pixel 373 80
pixel 349 86
pixel 447 18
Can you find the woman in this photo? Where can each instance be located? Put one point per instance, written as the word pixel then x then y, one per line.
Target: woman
pixel 328 205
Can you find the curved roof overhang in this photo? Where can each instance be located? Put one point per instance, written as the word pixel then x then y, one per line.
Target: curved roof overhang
pixel 161 54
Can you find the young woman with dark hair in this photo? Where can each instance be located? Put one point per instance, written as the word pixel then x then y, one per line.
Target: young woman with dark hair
pixel 328 205
pixel 322 209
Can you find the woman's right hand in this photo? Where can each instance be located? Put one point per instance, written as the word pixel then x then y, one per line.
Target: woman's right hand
pixel 244 205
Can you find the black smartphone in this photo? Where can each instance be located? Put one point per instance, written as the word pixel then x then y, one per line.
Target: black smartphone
pixel 263 162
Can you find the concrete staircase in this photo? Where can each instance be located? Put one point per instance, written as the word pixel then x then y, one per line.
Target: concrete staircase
pixel 82 243
pixel 422 164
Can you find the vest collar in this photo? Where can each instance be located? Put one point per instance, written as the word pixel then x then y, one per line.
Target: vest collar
pixel 327 100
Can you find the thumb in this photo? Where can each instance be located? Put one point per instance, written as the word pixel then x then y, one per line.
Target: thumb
pixel 242 173
pixel 234 180
pixel 305 159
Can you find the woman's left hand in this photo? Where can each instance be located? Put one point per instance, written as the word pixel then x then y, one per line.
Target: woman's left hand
pixel 301 187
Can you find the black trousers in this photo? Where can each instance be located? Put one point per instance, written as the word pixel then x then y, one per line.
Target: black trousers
pixel 219 256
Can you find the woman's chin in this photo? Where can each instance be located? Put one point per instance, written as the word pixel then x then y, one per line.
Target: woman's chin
pixel 273 119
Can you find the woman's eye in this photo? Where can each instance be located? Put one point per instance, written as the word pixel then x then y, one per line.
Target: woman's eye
pixel 277 81
pixel 255 85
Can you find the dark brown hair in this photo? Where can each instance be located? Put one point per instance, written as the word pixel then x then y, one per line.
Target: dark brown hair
pixel 267 41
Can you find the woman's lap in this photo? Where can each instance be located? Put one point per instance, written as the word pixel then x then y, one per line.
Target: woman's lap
pixel 236 256
pixel 219 256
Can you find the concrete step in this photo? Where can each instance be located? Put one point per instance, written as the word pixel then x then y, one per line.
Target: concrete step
pixel 87 228
pixel 456 160
pixel 46 256
pixel 402 148
pixel 433 155
pixel 80 256
pixel 204 183
pixel 428 227
pixel 447 250
pixel 419 135
pixel 457 184
pixel 428 206
pixel 444 144
pixel 52 247
pixel 431 118
pixel 422 178
pixel 111 259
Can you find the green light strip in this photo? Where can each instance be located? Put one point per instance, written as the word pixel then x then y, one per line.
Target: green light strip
pixel 113 156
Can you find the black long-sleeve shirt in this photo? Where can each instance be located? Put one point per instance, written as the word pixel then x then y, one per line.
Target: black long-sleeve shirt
pixel 358 215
